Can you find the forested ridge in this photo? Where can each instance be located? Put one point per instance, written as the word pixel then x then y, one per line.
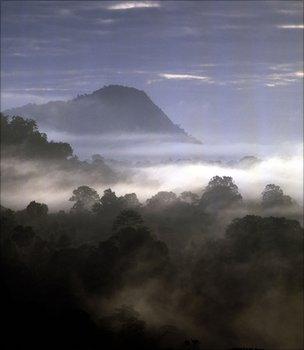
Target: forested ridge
pixel 21 141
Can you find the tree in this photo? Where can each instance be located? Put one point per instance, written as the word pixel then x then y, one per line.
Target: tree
pixel 130 200
pixel 257 257
pixel 127 218
pixel 134 255
pixel 20 137
pixel 189 197
pixel 162 199
pixel 84 197
pixel 108 204
pixel 37 210
pixel 97 159
pixel 23 236
pixel 220 193
pixel 273 196
pixel 253 236
pixel 60 150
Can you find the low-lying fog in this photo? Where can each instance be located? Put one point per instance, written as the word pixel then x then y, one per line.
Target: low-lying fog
pixel 159 147
pixel 147 165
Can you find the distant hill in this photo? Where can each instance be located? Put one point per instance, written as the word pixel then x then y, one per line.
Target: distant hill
pixel 114 109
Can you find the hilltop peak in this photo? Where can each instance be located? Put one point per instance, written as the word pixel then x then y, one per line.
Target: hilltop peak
pixel 119 90
pixel 112 109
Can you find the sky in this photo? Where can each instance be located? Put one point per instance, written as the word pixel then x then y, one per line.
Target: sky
pixel 226 71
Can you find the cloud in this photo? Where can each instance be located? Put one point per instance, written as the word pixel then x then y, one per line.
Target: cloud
pixel 278 75
pixel 291 12
pixel 180 77
pixel 282 75
pixel 183 76
pixel 32 47
pixel 13 99
pixel 133 5
pixel 207 65
pixel 66 12
pixel 37 89
pixel 299 74
pixel 287 67
pixel 282 79
pixel 105 20
pixel 290 26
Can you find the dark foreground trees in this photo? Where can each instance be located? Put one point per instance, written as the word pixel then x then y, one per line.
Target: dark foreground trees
pixel 160 275
pixel 131 256
pixel 242 281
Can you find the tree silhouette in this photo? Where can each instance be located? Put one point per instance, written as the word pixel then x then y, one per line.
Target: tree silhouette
pixel 161 199
pixel 130 200
pixel 84 197
pixel 37 210
pixel 108 204
pixel 189 197
pixel 220 193
pixel 273 196
pixel 21 138
pixel 127 218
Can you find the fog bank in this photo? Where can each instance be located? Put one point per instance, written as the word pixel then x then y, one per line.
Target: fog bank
pixel 24 181
pixel 159 147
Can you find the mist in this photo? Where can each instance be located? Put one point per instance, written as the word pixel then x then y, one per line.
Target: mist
pixel 149 146
pixel 51 184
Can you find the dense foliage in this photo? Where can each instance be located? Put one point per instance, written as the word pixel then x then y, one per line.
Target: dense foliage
pixel 118 274
pixel 21 141
pixel 21 137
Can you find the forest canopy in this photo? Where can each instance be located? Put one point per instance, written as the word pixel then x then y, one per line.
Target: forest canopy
pixel 21 138
pixel 143 263
pixel 24 146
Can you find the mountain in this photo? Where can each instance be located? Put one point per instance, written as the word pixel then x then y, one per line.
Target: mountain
pixel 113 109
